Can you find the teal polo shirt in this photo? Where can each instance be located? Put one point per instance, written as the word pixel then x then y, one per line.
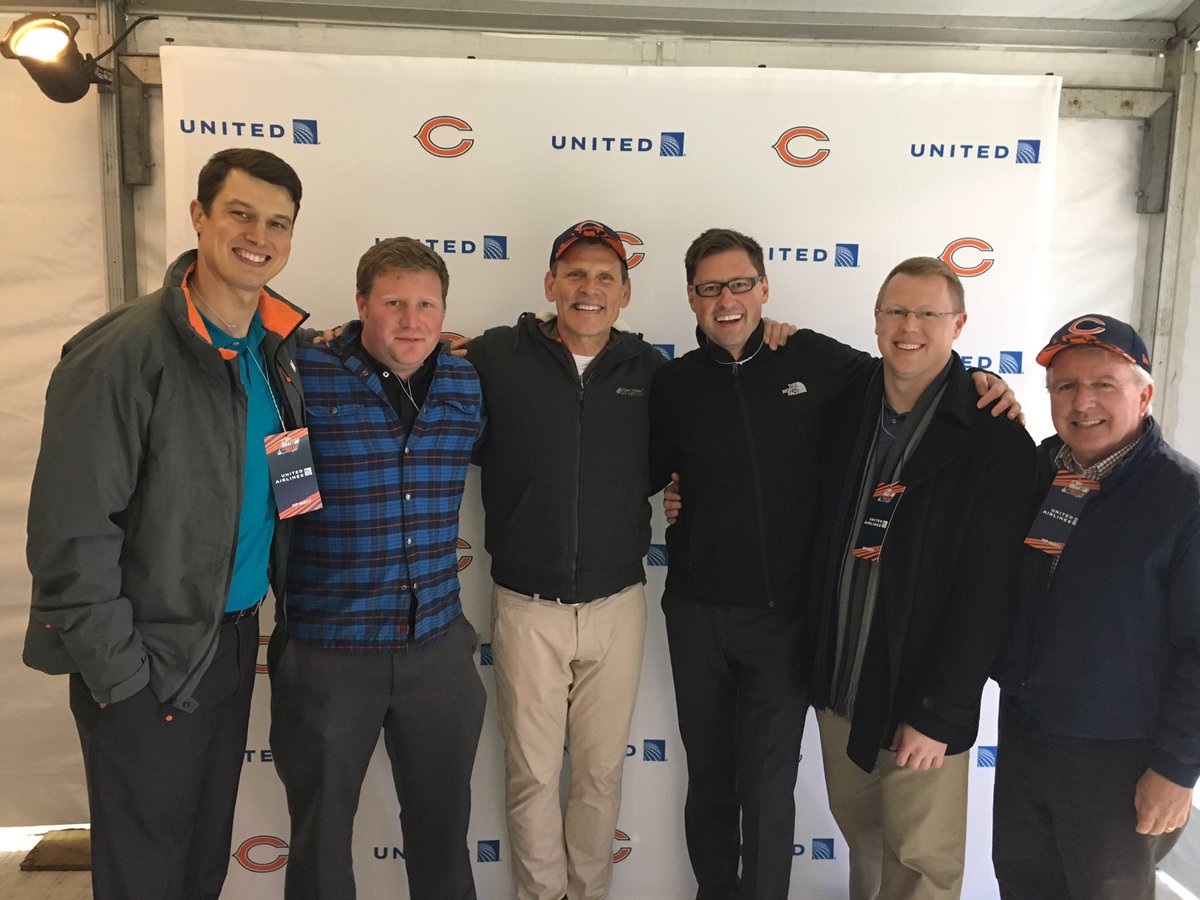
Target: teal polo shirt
pixel 256 526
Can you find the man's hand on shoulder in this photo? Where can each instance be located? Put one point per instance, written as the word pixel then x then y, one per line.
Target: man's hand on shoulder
pixel 776 334
pixel 1162 805
pixel 459 348
pixel 328 334
pixel 672 499
pixel 916 751
pixel 994 389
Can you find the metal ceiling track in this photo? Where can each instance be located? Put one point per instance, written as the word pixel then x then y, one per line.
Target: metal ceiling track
pixel 729 23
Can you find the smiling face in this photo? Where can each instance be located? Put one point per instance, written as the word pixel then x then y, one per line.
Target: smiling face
pixel 402 318
pixel 586 289
pixel 728 319
pixel 915 350
pixel 1097 401
pixel 243 241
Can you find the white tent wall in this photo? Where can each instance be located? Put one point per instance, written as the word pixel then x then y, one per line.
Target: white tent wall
pixel 1186 361
pixel 51 285
pixel 51 269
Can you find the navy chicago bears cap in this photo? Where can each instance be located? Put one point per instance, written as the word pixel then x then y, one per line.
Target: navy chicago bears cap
pixel 1098 331
pixel 589 228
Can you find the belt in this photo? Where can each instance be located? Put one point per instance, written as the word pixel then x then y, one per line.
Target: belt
pixel 561 601
pixel 238 614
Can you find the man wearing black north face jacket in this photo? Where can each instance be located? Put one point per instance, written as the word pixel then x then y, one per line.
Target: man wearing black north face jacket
pixel 741 425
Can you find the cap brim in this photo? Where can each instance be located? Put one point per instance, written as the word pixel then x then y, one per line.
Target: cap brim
pixel 1050 351
pixel 613 244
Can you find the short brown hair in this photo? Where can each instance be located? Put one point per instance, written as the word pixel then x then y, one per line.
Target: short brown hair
pixel 405 254
pixel 259 163
pixel 721 240
pixel 927 265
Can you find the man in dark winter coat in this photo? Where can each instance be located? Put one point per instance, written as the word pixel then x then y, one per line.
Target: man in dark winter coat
pixel 934 497
pixel 1099 745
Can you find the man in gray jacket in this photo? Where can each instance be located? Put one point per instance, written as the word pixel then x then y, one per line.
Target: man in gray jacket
pixel 153 533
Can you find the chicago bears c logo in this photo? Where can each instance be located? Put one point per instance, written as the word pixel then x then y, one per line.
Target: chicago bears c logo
pixel 965 271
pixel 632 240
pixel 271 864
pixel 1087 325
pixel 783 148
pixel 621 852
pixel 424 137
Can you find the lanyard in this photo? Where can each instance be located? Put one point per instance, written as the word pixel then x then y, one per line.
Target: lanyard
pixel 1064 504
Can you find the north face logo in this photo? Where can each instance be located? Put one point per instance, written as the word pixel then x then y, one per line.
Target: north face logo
pixel 795 388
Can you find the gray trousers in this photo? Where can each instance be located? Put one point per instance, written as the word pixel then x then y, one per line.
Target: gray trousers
pixel 327 709
pixel 1064 822
pixel 162 783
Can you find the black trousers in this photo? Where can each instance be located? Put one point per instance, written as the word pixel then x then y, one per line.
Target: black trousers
pixel 741 705
pixel 327 709
pixel 1064 821
pixel 162 783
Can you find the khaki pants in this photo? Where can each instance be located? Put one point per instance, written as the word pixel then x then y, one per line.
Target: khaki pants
pixel 906 829
pixel 565 674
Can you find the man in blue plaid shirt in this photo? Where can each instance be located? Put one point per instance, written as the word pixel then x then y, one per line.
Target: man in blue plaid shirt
pixel 371 633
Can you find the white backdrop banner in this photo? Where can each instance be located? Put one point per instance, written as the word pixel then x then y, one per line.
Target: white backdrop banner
pixel 838 174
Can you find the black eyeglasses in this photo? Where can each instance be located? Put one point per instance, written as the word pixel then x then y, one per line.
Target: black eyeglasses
pixel 711 289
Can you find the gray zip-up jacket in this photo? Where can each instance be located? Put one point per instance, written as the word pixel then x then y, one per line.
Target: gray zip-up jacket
pixel 133 513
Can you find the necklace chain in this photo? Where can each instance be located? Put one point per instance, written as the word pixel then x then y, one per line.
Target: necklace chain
pixel 249 349
pixel 211 310
pixel 742 362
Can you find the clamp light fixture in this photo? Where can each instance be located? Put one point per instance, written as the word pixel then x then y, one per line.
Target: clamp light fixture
pixel 44 43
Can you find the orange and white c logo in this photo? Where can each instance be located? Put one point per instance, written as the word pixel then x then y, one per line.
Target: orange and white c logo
pixel 464 560
pixel 274 864
pixel 631 259
pixel 979 268
pixel 621 852
pixel 425 137
pixel 782 147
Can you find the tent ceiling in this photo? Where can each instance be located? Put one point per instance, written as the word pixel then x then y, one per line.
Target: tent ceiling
pixel 1132 25
pixel 1106 10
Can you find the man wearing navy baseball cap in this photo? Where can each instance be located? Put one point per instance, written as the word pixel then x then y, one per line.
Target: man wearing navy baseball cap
pixel 1099 745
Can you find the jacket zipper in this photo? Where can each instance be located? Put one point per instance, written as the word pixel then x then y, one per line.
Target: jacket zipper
pixel 578 524
pixel 757 479
pixel 241 470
